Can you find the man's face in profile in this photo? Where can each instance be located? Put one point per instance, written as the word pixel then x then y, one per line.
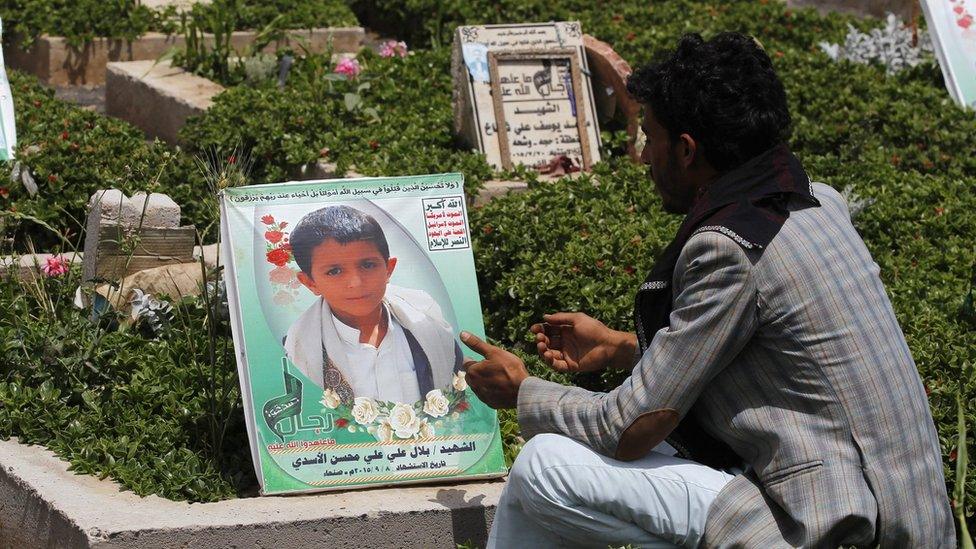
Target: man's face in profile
pixel 670 178
pixel 350 277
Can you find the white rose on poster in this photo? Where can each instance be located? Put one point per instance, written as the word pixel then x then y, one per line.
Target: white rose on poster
pixel 383 432
pixel 330 399
pixel 459 383
pixel 436 404
pixel 426 430
pixel 364 410
pixel 404 421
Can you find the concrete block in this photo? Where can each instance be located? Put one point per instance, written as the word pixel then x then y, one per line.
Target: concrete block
pixel 57 63
pixel 156 97
pixel 125 235
pixel 42 504
pixel 158 210
pixel 496 188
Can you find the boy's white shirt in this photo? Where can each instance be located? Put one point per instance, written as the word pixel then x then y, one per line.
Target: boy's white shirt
pixel 386 372
pixel 415 310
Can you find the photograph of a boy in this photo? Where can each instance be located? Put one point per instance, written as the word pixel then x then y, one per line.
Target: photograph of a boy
pixel 364 337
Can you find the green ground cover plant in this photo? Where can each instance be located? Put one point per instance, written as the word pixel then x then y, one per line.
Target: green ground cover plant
pixel 581 244
pixel 69 153
pixel 394 117
pixel 80 21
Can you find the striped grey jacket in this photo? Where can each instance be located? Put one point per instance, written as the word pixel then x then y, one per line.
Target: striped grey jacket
pixel 792 356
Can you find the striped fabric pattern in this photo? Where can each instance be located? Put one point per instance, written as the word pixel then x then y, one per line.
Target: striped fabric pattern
pixel 792 356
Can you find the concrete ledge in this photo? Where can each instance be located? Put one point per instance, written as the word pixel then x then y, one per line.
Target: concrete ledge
pixel 156 97
pixel 496 188
pixel 57 63
pixel 28 266
pixel 44 505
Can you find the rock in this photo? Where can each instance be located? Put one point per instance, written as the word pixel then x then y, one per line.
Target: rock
pixel 171 282
pixel 610 72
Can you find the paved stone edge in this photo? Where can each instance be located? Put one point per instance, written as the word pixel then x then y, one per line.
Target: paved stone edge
pixel 42 504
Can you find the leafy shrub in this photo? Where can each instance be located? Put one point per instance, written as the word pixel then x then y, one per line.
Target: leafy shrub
pixel 396 117
pixel 155 414
pixel 80 21
pixel 284 14
pixel 72 152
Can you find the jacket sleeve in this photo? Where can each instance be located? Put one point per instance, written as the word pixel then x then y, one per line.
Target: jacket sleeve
pixel 714 315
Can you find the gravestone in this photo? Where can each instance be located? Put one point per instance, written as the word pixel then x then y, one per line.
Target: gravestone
pixel 523 94
pixel 125 235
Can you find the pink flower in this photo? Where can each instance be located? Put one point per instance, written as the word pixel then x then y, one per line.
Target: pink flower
pixel 283 298
pixel 349 67
pixel 281 275
pixel 267 220
pixel 55 266
pixel 391 48
pixel 273 237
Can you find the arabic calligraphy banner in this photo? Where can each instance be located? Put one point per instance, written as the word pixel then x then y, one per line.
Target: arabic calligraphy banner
pixel 347 298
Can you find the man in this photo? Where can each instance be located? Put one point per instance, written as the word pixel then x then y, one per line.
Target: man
pixel 769 356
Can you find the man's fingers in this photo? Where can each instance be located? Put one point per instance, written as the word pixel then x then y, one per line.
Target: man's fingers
pixel 561 318
pixel 468 361
pixel 476 344
pixel 536 328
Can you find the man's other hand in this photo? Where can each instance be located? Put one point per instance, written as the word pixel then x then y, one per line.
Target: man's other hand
pixel 580 343
pixel 497 378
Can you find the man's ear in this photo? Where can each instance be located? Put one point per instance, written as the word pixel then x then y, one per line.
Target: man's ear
pixel 308 282
pixel 390 265
pixel 687 150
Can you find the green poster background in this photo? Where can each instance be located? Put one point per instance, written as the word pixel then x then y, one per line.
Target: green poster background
pixel 303 440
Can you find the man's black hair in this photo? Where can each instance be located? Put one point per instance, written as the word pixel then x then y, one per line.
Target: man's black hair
pixel 340 223
pixel 724 93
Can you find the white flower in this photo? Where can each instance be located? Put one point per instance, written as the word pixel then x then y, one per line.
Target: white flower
pixel 460 384
pixel 404 421
pixel 330 399
pixel 426 430
pixel 383 432
pixel 364 410
pixel 436 404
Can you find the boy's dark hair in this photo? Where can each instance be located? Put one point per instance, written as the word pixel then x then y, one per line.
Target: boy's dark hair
pixel 340 223
pixel 723 92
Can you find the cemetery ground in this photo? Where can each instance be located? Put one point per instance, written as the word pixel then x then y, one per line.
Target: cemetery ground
pixel 148 397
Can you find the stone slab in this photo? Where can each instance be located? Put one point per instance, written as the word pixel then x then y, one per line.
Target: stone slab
pixel 28 266
pixel 531 111
pixel 497 188
pixel 42 504
pixel 55 62
pixel 156 97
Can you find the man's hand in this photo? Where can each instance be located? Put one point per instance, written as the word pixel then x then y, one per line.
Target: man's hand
pixel 580 343
pixel 497 378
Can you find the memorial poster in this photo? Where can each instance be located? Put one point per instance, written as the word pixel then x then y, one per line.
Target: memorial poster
pixel 346 300
pixel 952 24
pixel 8 132
pixel 540 87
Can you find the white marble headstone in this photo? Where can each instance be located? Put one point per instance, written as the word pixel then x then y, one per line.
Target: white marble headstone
pixel 537 95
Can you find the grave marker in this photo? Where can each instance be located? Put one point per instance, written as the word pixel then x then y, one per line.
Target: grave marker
pixel 125 235
pixel 548 112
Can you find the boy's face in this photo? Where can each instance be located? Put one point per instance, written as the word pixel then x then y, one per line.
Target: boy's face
pixel 351 277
